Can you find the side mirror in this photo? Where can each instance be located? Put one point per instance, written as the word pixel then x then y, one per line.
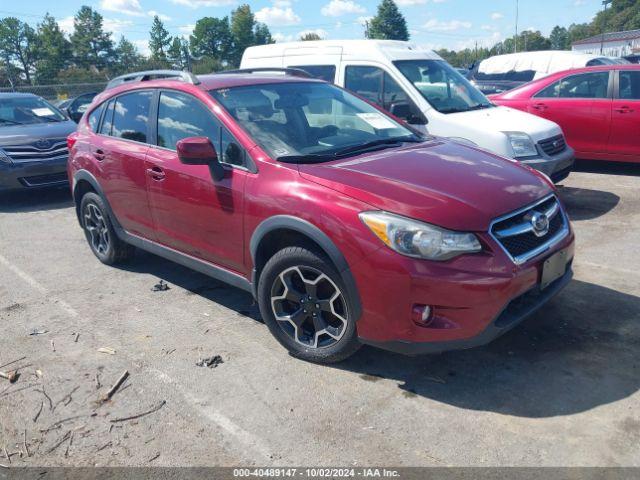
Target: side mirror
pixel 200 151
pixel 408 113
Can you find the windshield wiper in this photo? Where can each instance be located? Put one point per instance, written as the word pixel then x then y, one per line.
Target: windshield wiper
pixel 480 106
pixel 383 142
pixel 310 158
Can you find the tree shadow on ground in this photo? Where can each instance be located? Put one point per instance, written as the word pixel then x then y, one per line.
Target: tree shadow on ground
pixel 586 204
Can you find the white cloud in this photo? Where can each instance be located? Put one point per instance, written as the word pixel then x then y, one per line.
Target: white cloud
pixel 161 16
pixel 203 3
pixel 114 25
pixel 451 25
pixel 363 20
pixel 318 31
pixel 496 16
pixel 127 7
pixel 282 3
pixel 408 3
pixel 579 3
pixel 66 25
pixel 276 16
pixel 143 47
pixel 186 30
pixel 337 8
pixel 281 37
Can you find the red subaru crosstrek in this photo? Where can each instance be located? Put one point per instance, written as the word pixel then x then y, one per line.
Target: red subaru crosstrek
pixel 346 225
pixel 598 109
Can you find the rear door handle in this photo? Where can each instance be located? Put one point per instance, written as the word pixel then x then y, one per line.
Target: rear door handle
pixel 624 109
pixel 156 173
pixel 98 154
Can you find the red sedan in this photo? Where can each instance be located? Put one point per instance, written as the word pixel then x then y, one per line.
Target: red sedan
pixel 598 109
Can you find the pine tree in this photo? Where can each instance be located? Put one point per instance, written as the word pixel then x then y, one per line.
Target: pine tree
pixel 559 38
pixel 309 37
pixel 18 45
pixel 159 40
pixel 127 56
pixel 212 38
pixel 242 33
pixel 388 24
pixel 54 50
pixel 90 44
pixel 262 34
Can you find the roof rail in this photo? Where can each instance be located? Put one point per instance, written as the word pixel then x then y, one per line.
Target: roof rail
pixel 294 72
pixel 147 75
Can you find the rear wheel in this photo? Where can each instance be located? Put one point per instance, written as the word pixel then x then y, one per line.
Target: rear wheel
pixel 99 231
pixel 305 305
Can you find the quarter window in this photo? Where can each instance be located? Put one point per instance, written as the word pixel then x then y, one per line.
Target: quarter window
pixel 131 116
pixel 94 117
pixel 107 122
pixel 630 85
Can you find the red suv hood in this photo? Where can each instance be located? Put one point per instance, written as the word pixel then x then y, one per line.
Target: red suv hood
pixel 441 182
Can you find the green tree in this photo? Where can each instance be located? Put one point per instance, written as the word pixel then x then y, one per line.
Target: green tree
pixel 262 34
pixel 127 56
pixel 559 38
pixel 178 53
pixel 91 46
pixel 530 41
pixel 159 40
pixel 54 50
pixel 18 46
pixel 310 36
pixel 388 24
pixel 211 37
pixel 242 33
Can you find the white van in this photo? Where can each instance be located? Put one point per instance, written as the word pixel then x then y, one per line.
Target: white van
pixel 420 87
pixel 500 73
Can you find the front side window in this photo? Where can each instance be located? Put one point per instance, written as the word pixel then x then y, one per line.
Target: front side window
pixel 27 109
pixel 442 86
pixel 280 119
pixel 323 72
pixel 630 85
pixel 131 116
pixel 181 116
pixel 584 85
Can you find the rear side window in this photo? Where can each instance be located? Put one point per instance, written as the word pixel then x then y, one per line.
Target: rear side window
pixel 630 85
pixel 131 116
pixel 181 116
pixel 323 72
pixel 94 117
pixel 107 122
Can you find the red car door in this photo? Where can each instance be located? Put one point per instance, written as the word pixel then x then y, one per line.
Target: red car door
pixel 624 141
pixel 121 151
pixel 192 213
pixel 581 105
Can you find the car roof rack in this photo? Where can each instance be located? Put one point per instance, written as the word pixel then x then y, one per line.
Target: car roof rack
pixel 294 72
pixel 147 75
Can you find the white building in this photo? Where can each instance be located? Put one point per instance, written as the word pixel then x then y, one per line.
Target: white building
pixel 614 44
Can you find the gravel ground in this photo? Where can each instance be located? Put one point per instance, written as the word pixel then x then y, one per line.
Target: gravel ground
pixel 561 389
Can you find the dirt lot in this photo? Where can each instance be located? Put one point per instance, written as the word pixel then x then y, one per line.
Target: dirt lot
pixel 561 389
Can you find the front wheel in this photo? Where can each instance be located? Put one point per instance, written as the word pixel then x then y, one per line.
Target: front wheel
pixel 305 305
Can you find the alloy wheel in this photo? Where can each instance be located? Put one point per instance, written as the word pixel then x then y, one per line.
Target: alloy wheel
pixel 96 226
pixel 309 307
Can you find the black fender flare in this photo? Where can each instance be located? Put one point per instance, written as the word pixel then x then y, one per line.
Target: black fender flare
pixel 314 233
pixel 87 176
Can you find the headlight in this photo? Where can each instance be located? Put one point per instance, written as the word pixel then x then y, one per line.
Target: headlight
pixel 417 239
pixel 522 144
pixel 4 157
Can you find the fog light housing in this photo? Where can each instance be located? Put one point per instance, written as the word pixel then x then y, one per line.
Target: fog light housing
pixel 421 315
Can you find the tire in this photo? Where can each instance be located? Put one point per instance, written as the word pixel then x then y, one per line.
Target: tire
pixel 98 230
pixel 304 303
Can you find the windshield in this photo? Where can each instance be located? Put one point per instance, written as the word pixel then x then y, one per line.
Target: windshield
pixel 27 110
pixel 310 121
pixel 442 86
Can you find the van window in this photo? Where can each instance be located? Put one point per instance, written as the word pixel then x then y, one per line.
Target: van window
pixel 131 116
pixel 323 72
pixel 365 81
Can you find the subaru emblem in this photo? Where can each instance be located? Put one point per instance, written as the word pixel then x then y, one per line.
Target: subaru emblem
pixel 539 223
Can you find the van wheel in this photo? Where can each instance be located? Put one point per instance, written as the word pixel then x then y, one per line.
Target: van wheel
pixel 306 307
pixel 99 231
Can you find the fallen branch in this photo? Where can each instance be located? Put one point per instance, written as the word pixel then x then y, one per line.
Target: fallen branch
pixel 133 417
pixel 60 422
pixel 6 454
pixel 12 362
pixel 35 419
pixel 108 444
pixel 62 440
pixel 115 386
pixel 47 397
pixel 24 442
pixel 66 399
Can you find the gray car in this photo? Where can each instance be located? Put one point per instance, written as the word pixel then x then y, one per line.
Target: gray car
pixel 33 142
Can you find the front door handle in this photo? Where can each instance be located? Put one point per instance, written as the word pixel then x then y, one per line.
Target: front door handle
pixel 156 173
pixel 624 109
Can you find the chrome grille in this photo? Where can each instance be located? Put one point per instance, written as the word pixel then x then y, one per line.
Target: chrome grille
pixel 518 236
pixel 554 145
pixel 31 153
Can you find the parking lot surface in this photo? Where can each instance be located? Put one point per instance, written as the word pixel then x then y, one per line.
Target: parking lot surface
pixel 560 389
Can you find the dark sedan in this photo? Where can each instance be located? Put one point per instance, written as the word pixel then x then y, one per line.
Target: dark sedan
pixel 33 142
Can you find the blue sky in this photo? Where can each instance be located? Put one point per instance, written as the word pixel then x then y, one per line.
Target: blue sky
pixel 452 24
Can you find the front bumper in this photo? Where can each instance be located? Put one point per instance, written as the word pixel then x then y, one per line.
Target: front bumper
pixel 38 174
pixel 557 167
pixel 474 298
